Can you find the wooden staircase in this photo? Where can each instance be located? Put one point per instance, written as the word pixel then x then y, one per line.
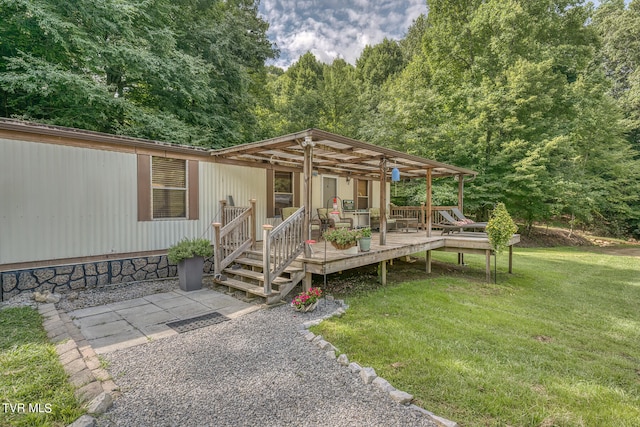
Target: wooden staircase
pixel 246 275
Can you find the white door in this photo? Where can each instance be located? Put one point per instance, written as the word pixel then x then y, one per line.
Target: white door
pixel 329 191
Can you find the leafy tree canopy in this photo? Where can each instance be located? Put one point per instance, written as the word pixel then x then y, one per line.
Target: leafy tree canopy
pixel 183 71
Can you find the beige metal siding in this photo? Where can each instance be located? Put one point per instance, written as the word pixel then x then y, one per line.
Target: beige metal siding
pixel 60 201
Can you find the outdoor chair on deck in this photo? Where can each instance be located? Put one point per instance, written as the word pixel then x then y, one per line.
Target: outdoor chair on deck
pixel 450 224
pixel 316 226
pixel 334 220
pixel 374 220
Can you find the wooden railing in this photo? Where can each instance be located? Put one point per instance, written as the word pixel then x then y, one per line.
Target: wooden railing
pixel 281 245
pixel 419 212
pixel 233 236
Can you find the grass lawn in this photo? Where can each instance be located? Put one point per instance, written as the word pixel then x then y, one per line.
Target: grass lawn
pixel 31 374
pixel 555 344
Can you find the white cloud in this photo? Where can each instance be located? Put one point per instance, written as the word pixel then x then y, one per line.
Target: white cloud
pixel 335 28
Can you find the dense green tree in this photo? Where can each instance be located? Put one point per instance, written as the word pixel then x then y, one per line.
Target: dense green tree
pixel 182 71
pixel 297 96
pixel 508 88
pixel 619 28
pixel 339 99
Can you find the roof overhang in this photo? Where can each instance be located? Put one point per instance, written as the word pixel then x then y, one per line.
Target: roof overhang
pixel 333 155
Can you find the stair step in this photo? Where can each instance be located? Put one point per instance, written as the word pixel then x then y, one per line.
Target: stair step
pixel 247 287
pixel 258 263
pixel 255 275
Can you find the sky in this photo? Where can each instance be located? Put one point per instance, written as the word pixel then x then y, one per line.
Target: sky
pixel 335 28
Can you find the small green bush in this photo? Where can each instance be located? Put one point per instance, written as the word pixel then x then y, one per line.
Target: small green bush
pixel 500 228
pixel 189 248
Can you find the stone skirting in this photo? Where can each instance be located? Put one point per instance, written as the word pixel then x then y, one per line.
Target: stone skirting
pixel 63 278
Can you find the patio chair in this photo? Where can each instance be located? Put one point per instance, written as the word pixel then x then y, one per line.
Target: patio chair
pixel 451 224
pixel 374 220
pixel 460 217
pixel 334 220
pixel 316 225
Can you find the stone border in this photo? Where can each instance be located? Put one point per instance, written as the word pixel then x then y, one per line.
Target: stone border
pixel 94 386
pixel 367 374
pixel 70 277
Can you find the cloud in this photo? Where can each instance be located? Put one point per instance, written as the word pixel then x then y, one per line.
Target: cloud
pixel 335 28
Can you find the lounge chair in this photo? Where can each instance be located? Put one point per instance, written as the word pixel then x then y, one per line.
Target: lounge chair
pixel 450 224
pixel 460 217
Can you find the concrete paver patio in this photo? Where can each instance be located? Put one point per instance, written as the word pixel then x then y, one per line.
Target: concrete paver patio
pixel 125 324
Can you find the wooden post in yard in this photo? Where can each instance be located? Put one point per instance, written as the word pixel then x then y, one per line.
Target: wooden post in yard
pixel 510 259
pixel 307 281
pixel 488 275
pixel 383 273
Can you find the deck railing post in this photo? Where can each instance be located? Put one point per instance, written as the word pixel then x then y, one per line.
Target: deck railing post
pixel 254 223
pixel 217 249
pixel 266 257
pixel 223 214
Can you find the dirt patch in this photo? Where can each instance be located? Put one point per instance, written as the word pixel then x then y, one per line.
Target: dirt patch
pixel 545 237
pixel 542 237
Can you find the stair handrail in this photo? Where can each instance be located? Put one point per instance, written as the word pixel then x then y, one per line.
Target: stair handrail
pixel 232 239
pixel 281 245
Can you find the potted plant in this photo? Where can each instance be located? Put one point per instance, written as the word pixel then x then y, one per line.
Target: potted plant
pixel 189 254
pixel 365 239
pixel 341 238
pixel 307 301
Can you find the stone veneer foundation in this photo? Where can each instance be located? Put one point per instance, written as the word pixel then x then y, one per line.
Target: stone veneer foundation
pixel 63 278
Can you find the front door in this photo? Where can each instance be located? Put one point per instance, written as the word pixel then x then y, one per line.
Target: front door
pixel 329 191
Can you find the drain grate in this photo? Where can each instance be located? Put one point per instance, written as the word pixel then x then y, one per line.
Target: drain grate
pixel 198 322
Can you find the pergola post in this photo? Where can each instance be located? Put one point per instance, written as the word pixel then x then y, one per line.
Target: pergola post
pixel 429 205
pixel 383 201
pixel 460 192
pixel 429 214
pixel 460 206
pixel 307 169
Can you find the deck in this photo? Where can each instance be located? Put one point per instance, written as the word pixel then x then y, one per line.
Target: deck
pixel 325 259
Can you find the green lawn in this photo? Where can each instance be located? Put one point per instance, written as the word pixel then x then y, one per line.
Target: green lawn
pixel 555 344
pixel 31 374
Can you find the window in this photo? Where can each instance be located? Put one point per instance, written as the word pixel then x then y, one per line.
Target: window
pixel 282 190
pixel 363 194
pixel 169 187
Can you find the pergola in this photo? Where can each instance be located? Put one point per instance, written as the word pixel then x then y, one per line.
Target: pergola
pixel 328 153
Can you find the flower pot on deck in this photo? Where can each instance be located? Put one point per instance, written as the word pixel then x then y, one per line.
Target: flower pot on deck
pixel 190 272
pixel 365 244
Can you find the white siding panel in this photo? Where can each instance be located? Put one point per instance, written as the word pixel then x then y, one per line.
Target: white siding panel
pixel 63 202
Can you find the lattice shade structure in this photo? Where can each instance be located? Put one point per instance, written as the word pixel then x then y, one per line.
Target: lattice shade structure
pixel 333 155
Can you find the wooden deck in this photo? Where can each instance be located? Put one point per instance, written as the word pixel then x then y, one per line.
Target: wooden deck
pixel 325 259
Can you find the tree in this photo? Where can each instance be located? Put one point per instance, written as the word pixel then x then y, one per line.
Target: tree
pixel 508 88
pixel 619 29
pixel 184 72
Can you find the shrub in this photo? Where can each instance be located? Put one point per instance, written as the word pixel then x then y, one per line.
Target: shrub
pixel 189 248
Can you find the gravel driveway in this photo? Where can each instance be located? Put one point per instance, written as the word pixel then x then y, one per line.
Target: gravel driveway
pixel 256 370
